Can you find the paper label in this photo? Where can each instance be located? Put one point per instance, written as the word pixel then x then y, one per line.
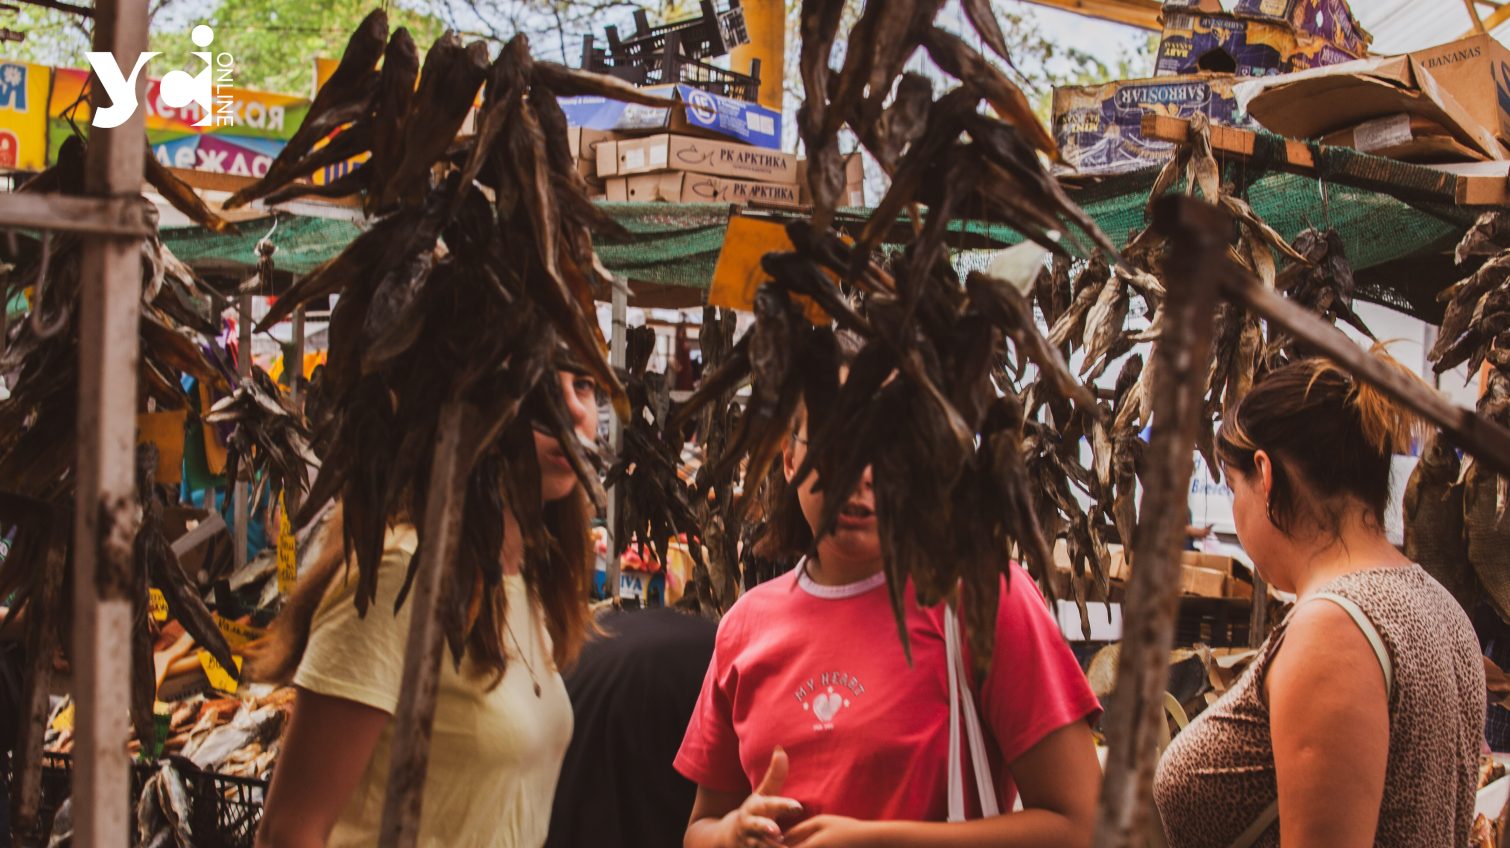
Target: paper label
pixel 237 635
pixel 157 605
pixel 634 159
pixel 658 156
pixel 1381 133
pixel 288 556
pixel 64 719
pixel 214 672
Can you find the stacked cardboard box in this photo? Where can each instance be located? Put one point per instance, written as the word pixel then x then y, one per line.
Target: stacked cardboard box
pixel 1443 104
pixel 1203 52
pixel 689 169
pixel 705 149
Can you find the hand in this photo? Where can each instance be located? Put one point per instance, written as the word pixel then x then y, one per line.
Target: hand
pixel 831 832
pixel 753 825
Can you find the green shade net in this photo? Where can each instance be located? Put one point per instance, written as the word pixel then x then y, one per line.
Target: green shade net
pixel 1387 213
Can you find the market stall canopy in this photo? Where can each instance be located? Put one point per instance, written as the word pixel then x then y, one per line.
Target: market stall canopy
pixel 1397 221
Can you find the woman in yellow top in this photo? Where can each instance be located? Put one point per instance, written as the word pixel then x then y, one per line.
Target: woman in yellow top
pixel 502 722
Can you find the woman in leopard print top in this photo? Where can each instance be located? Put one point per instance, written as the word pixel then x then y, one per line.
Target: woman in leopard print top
pixel 1359 745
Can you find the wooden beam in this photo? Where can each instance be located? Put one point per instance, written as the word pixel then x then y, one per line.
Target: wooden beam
pixel 1497 17
pixel 1370 173
pixel 1473 15
pixel 1181 359
pixel 1143 14
pixel 1487 441
pixel 111 216
pixel 1225 140
pixel 105 505
pixel 435 582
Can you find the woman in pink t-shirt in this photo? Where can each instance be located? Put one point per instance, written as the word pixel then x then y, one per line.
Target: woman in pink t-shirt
pixel 812 729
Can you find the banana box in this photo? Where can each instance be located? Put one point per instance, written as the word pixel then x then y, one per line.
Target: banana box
pixel 1331 21
pixel 1196 42
pixel 1099 129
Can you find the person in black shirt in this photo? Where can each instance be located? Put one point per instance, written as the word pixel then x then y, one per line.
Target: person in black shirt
pixel 632 690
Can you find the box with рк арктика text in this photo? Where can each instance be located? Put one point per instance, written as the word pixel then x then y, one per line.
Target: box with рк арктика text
pixel 1099 129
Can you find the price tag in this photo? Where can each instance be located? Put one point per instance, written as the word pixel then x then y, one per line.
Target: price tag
pixel 157 605
pixel 64 719
pixel 237 635
pixel 288 556
pixel 219 678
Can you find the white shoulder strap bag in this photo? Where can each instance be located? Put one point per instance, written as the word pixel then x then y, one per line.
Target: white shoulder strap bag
pixel 962 701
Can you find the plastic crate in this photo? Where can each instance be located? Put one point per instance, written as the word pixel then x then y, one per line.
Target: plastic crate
pixel 673 66
pixel 706 36
pixel 225 809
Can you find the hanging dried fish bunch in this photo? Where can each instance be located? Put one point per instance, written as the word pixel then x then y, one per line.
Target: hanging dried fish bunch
pixel 473 287
pixel 1433 516
pixel 920 406
pixel 38 422
pixel 1323 284
pixel 269 446
pixel 654 504
pixel 729 543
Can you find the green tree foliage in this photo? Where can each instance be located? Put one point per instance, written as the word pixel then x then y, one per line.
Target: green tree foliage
pixel 275 42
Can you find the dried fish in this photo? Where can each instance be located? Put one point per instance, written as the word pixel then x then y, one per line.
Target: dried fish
pixel 1433 521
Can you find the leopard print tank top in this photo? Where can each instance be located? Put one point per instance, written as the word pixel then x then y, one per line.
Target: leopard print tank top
pixel 1217 775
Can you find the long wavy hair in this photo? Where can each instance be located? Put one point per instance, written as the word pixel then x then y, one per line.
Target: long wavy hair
pixel 560 586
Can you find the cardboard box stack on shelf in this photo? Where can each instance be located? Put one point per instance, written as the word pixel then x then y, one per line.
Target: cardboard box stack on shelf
pixel 715 145
pixel 1204 51
pixel 1202 575
pixel 1440 105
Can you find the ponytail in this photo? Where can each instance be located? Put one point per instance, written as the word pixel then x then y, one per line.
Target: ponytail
pixel 1330 436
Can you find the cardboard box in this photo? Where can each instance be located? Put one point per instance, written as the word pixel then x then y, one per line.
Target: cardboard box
pixel 680 187
pixel 854 181
pixel 1099 129
pixel 583 141
pixel 1476 72
pixel 1328 20
pixel 1195 42
pixel 1325 100
pixel 1409 138
pixel 627 157
pixel 696 113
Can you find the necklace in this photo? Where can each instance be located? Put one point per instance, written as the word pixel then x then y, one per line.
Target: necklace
pixel 519 652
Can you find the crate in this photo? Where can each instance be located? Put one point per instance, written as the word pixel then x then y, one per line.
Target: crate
pixel 706 36
pixel 225 809
pixel 672 65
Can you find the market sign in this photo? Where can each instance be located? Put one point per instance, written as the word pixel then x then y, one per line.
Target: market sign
pixel 263 124
pixel 23 116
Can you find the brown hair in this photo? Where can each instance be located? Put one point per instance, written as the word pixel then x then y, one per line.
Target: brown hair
pixel 560 587
pixel 787 534
pixel 1330 438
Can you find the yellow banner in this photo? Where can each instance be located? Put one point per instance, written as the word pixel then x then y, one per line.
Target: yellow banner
pixel 23 115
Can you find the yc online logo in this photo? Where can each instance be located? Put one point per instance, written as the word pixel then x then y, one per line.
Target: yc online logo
pixel 207 89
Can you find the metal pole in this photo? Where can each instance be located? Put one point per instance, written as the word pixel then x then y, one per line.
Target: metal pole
pixel 1258 620
pixel 1182 358
pixel 618 355
pixel 436 581
pixel 105 514
pixel 241 510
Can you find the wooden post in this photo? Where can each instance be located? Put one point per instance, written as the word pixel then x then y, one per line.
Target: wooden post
pixel 422 655
pixel 1182 358
pixel 105 515
pixel 618 355
pixel 298 355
